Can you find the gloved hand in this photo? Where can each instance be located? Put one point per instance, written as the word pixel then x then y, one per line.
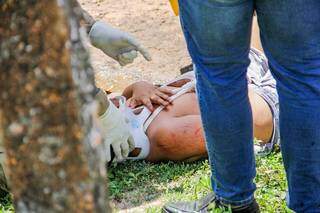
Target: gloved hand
pixel 119 45
pixel 116 133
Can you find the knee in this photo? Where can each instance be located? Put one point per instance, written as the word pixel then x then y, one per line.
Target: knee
pixel 263 128
pixel 261 112
pixel 262 123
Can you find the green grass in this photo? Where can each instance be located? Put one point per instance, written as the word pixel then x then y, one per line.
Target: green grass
pixel 6 205
pixel 145 187
pixel 133 185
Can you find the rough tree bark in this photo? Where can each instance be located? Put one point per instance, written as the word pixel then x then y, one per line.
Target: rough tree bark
pixel 54 151
pixel 4 191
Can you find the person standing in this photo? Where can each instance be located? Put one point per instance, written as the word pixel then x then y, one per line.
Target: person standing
pixel 218 38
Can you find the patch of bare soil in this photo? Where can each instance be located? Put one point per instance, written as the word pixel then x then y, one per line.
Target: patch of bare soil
pixel 155 26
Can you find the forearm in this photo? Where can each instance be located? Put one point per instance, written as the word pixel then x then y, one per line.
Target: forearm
pixel 100 96
pixel 87 18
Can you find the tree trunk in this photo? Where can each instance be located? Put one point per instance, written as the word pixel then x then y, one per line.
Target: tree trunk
pixel 53 149
pixel 3 182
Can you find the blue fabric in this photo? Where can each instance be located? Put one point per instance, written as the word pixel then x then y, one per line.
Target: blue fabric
pixel 218 38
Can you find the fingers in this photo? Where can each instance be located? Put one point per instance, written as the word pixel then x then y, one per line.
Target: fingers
pixel 108 153
pixel 147 102
pixel 117 151
pixel 157 100
pixel 132 103
pixel 165 90
pixel 129 102
pixel 139 48
pixel 145 53
pixel 124 149
pixel 131 143
pixel 165 93
pixel 127 57
pixel 162 95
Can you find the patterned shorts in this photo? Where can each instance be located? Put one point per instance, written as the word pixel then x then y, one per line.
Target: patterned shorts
pixel 262 82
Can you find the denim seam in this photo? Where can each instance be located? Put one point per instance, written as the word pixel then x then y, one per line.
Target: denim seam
pixel 221 3
pixel 233 204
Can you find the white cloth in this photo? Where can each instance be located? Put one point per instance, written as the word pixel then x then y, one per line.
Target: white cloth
pixel 136 119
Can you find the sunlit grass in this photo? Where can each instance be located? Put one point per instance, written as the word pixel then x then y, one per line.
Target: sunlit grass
pixel 134 184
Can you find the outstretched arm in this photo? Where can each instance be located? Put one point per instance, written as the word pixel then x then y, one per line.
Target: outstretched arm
pixel 119 45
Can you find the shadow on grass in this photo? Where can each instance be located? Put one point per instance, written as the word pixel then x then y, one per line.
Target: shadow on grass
pixel 140 186
pixel 132 184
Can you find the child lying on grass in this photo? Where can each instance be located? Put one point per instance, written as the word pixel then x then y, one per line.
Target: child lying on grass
pixel 165 121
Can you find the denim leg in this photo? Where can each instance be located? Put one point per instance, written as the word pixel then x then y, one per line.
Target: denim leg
pixel 290 33
pixel 218 38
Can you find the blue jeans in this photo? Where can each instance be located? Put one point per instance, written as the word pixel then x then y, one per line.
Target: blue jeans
pixel 218 38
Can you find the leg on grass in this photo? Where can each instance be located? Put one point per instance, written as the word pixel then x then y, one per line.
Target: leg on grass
pixel 262 117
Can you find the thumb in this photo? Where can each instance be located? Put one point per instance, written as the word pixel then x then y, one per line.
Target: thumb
pixel 108 153
pixel 125 149
pixel 131 143
pixel 139 48
pixel 117 151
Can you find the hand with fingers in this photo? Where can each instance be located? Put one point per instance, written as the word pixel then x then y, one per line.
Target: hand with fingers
pixel 144 93
pixel 116 134
pixel 117 44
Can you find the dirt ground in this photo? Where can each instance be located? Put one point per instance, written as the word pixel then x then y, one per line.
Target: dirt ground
pixel 155 26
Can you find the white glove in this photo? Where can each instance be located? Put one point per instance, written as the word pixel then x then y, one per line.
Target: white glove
pixel 116 133
pixel 119 45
